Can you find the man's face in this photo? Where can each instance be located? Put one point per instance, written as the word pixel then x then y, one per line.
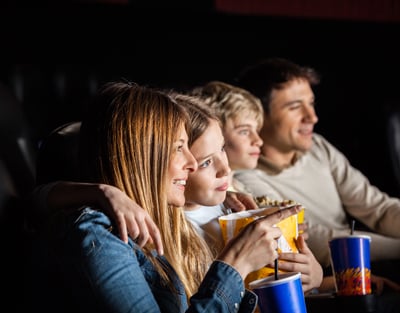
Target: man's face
pixel 288 127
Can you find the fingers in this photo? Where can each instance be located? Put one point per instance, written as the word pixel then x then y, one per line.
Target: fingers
pixel 143 236
pixel 129 217
pixel 140 227
pixel 237 206
pixel 253 247
pixel 304 262
pixel 240 201
pixel 122 228
pixel 302 227
pixel 144 231
pixel 293 262
pixel 303 230
pixel 248 201
pixel 301 245
pixel 232 201
pixel 280 215
pixel 293 257
pixel 155 236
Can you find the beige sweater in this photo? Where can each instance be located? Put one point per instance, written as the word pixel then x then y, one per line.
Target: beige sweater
pixel 325 183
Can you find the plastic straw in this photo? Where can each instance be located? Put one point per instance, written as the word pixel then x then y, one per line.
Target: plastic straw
pixel 353 223
pixel 276 269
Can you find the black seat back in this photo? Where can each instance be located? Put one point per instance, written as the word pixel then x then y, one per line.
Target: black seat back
pixel 393 137
pixel 58 154
pixel 18 151
pixel 17 177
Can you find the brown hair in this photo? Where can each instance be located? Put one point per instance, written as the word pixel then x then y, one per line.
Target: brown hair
pixel 274 73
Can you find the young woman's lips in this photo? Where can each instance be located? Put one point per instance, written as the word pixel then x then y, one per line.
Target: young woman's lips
pixel 223 187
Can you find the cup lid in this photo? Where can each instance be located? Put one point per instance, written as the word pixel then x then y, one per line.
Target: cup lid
pixel 351 236
pixel 271 281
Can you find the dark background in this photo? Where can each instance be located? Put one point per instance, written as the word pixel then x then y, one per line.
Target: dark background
pixel 54 57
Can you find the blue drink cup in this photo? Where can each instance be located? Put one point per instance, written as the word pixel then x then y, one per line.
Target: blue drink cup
pixel 350 260
pixel 284 295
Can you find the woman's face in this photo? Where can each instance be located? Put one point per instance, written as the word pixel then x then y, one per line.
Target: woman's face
pixel 207 186
pixel 182 163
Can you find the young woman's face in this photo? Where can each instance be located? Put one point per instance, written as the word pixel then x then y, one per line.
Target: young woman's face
pixel 242 142
pixel 182 163
pixel 207 186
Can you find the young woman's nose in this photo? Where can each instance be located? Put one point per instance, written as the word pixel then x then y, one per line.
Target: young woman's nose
pixel 191 163
pixel 223 167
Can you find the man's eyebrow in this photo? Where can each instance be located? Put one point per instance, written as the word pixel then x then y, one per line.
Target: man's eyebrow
pixel 289 103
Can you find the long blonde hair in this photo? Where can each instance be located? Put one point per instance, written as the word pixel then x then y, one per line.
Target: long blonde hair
pixel 126 142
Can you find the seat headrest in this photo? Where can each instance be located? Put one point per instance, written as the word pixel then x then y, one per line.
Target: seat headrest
pixel 58 156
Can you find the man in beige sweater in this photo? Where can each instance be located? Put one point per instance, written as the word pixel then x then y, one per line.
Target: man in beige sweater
pixel 301 165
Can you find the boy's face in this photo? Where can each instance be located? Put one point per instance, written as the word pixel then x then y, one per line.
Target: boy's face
pixel 289 125
pixel 242 142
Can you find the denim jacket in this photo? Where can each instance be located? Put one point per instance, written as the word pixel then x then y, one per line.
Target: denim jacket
pixel 122 279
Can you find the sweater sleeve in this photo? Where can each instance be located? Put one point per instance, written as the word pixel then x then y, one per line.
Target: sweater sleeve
pixel 360 198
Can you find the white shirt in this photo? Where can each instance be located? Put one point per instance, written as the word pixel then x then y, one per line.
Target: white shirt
pixel 205 221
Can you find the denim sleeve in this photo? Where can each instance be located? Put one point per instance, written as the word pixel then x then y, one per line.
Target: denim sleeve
pixel 124 280
pixel 117 275
pixel 223 291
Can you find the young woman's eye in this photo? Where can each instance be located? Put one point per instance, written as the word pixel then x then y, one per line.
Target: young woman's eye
pixel 244 132
pixel 223 148
pixel 205 164
pixel 179 148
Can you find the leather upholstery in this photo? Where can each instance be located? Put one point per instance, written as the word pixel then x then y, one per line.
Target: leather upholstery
pixel 58 154
pixel 393 137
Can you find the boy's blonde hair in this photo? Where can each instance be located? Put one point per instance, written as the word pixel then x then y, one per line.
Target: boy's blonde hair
pixel 228 101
